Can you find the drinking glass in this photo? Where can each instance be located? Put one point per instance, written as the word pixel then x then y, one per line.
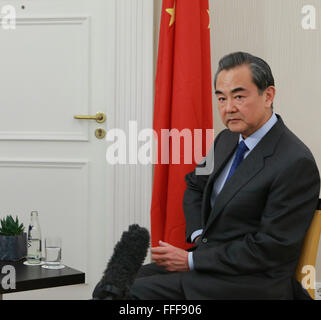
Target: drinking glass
pixel 53 253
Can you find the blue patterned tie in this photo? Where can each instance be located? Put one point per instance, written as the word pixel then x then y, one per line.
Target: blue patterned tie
pixel 241 149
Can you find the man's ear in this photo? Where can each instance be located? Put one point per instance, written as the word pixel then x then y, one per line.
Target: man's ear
pixel 269 95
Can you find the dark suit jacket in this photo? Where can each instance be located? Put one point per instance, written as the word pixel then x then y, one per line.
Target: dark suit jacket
pixel 252 237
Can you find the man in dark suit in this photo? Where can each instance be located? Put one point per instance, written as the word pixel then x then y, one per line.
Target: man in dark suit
pixel 249 216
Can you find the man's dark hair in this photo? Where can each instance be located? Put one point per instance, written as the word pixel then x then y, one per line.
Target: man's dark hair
pixel 261 72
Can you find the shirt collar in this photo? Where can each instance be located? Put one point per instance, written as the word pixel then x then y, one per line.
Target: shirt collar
pixel 255 137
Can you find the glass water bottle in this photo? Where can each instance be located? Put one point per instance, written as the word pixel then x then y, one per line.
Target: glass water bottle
pixel 34 240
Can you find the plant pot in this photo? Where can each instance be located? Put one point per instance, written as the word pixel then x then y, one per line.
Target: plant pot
pixel 13 248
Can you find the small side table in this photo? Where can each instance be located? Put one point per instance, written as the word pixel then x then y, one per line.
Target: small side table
pixel 36 277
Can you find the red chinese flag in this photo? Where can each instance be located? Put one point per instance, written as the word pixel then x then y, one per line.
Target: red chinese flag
pixel 183 100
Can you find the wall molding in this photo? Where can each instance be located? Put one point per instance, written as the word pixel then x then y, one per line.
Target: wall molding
pixel 75 164
pixel 65 20
pixel 83 135
pixel 134 101
pixel 41 163
pixel 35 20
pixel 44 136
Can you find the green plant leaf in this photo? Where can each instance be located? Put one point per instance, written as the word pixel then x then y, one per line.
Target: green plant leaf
pixel 11 227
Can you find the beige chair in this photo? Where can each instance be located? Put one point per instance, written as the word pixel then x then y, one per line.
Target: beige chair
pixel 310 247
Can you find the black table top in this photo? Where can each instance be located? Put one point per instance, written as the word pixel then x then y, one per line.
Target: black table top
pixel 36 277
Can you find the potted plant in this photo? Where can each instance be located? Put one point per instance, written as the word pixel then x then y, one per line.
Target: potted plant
pixel 13 240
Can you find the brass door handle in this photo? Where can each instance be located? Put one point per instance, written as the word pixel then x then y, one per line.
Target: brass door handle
pixel 100 117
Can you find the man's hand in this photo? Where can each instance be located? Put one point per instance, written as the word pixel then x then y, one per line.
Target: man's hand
pixel 170 257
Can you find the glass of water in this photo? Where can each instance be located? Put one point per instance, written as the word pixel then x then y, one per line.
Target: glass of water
pixel 53 253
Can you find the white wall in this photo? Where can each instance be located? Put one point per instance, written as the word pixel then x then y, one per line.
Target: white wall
pixel 272 30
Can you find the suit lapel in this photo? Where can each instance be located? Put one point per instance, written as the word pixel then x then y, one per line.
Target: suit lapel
pixel 248 169
pixel 226 149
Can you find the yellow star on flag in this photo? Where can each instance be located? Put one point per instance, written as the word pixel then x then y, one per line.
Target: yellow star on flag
pixel 171 11
pixel 209 24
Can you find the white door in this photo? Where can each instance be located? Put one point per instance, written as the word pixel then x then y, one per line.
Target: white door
pixel 58 62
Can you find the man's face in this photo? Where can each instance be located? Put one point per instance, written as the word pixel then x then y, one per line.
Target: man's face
pixel 241 107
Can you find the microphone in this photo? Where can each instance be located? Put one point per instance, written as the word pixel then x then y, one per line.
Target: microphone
pixel 129 255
